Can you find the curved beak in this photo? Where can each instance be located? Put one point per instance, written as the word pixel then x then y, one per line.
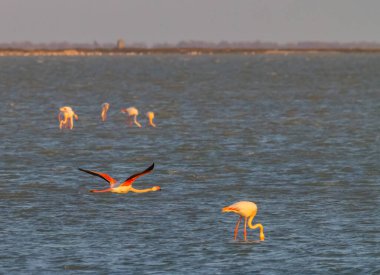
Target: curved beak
pixel 228 209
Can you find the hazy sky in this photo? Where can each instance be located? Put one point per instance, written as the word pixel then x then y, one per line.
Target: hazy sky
pixel 153 21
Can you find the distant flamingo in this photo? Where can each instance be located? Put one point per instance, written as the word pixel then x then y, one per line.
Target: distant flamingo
pixel 66 116
pixel 125 186
pixel 131 112
pixel 150 116
pixel 247 210
pixel 105 107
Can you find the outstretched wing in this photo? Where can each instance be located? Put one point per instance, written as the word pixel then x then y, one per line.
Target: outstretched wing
pixel 104 176
pixel 132 178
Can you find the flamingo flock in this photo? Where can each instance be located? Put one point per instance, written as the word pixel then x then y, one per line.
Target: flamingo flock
pixel 245 209
pixel 66 116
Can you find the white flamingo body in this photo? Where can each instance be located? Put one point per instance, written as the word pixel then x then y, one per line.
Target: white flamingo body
pixel 132 113
pixel 66 117
pixel 105 107
pixel 247 210
pixel 150 116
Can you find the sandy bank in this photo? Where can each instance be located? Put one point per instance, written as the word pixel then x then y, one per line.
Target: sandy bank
pixel 192 52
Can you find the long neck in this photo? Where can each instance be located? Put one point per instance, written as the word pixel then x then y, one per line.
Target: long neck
pixel 101 191
pixel 136 122
pixel 141 190
pixel 151 123
pixel 257 225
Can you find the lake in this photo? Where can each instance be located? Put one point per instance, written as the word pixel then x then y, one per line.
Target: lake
pixel 299 135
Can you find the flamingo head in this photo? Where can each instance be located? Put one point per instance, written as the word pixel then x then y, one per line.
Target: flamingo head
pixel 105 106
pixel 262 237
pixel 156 188
pixel 230 209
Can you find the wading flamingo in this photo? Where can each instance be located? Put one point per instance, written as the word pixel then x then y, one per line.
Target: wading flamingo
pixel 125 186
pixel 66 116
pixel 247 210
pixel 150 116
pixel 132 112
pixel 105 107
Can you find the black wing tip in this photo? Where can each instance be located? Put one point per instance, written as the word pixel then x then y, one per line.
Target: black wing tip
pixel 147 170
pixel 89 172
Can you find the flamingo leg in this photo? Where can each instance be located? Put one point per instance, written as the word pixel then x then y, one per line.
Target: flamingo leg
pixel 63 121
pixel 61 124
pixel 71 123
pixel 136 122
pixel 237 228
pixel 245 229
pixel 129 122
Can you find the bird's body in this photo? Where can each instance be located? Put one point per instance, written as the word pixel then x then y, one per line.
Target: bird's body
pixel 121 189
pixel 150 116
pixel 132 113
pixel 125 186
pixel 127 189
pixel 66 117
pixel 105 107
pixel 247 210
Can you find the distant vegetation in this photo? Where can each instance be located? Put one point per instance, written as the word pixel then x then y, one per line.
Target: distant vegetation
pixel 26 45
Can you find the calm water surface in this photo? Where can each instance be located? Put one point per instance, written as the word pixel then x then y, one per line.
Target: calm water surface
pixel 299 135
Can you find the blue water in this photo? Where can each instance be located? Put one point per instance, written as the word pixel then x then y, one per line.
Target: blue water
pixel 299 135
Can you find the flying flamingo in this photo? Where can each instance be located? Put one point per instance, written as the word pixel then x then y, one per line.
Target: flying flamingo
pixel 66 116
pixel 125 186
pixel 131 112
pixel 105 107
pixel 247 210
pixel 150 116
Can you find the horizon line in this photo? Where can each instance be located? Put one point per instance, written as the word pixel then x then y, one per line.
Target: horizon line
pixel 199 44
pixel 193 40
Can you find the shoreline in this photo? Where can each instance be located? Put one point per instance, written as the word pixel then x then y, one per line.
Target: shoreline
pixel 183 51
